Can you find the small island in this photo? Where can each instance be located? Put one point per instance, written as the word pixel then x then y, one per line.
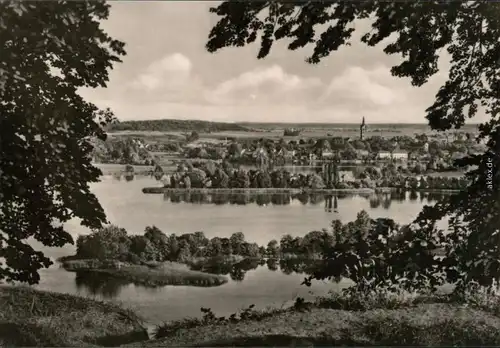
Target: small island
pixel 149 260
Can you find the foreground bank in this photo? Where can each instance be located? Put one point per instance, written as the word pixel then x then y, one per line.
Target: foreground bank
pixel 45 319
pixel 35 318
pixel 353 321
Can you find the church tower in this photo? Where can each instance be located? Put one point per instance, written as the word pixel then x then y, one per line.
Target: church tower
pixel 362 128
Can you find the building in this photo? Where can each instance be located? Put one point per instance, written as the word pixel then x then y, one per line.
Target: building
pixel 327 154
pixel 399 155
pixel 394 155
pixel 338 141
pixel 362 129
pixel 346 175
pixel 384 155
pixel 362 153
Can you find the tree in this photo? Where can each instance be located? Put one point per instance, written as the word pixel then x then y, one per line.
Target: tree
pixel 197 177
pixel 264 179
pixel 214 248
pixel 234 150
pixel 272 249
pixel 286 244
pixel 143 248
pixel 110 242
pixel 47 127
pixel 159 241
pixel 193 136
pixel 418 31
pixel 237 239
pixel 349 152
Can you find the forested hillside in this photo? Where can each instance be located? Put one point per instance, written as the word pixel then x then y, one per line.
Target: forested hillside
pixel 176 125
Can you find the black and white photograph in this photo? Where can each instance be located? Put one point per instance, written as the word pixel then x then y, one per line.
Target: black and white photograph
pixel 249 173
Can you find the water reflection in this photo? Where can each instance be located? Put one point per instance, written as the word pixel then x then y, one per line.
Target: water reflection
pixel 331 202
pixel 107 287
pixel 99 285
pixel 237 271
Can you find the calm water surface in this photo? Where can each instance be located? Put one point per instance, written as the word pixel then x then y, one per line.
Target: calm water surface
pixel 127 207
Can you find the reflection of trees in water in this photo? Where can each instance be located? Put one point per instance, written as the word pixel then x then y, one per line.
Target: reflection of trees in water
pixel 262 200
pixel 316 199
pixel 129 177
pixel 99 284
pixel 398 195
pixel 343 195
pixel 434 196
pixel 237 271
pixel 281 199
pixel 302 198
pixel 413 195
pixel 386 203
pixel 228 198
pixel 329 201
pixel 272 264
pixel 380 199
pixel 300 266
pixel 375 202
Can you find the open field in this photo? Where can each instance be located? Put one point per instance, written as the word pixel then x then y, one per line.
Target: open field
pixel 275 130
pixel 34 318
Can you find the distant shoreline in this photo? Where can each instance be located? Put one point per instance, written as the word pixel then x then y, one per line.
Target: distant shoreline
pixel 159 190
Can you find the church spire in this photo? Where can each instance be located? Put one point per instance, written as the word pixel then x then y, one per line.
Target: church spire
pixel 362 128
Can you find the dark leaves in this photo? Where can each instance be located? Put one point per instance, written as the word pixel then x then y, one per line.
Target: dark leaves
pixel 45 149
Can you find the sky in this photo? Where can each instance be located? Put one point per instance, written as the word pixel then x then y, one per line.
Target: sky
pixel 168 74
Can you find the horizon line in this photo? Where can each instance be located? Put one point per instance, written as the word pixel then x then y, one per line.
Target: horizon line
pixel 280 122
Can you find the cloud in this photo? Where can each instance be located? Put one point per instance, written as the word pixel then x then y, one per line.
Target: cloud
pixel 169 71
pixel 263 85
pixel 361 87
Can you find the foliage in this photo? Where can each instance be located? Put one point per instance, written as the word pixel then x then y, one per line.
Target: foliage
pixel 47 127
pixel 469 31
pixel 110 242
pixel 120 150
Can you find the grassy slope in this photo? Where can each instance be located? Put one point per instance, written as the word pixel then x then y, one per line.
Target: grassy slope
pixel 425 324
pixel 37 318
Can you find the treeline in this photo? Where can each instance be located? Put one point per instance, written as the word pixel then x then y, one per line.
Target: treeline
pixel 121 151
pixel 176 126
pixel 209 174
pixel 114 243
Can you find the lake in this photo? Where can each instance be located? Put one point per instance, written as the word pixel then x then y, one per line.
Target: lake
pixel 260 220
